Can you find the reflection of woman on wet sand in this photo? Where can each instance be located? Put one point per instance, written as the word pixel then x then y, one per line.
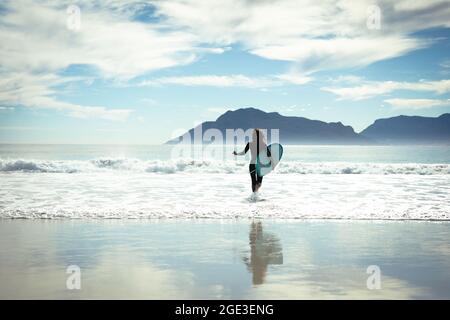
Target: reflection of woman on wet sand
pixel 265 249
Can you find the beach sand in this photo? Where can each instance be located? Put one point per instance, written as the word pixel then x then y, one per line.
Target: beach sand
pixel 223 259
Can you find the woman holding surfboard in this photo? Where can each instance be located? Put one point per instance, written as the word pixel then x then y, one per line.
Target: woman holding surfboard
pixel 261 161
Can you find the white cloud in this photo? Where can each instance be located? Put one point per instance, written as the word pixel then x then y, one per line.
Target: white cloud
pixel 314 55
pixel 445 64
pixel 347 79
pixel 416 103
pixel 369 89
pixel 35 36
pixel 22 128
pixel 79 111
pixel 237 80
pixel 36 91
pixel 406 5
pixel 315 35
pixel 294 78
pixel 292 108
pixel 36 45
pixel 212 81
pixel 217 110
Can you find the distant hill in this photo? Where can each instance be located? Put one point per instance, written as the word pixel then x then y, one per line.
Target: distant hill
pixel 410 130
pixel 292 130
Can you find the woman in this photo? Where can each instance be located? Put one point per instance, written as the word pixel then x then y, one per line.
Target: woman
pixel 258 143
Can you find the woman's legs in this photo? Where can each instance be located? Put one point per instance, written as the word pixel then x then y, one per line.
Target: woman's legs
pixel 256 180
pixel 252 170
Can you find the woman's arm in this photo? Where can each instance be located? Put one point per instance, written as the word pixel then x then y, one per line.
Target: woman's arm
pixel 247 146
pixel 269 154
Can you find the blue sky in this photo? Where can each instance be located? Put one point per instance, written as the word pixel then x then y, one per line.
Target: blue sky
pixel 140 72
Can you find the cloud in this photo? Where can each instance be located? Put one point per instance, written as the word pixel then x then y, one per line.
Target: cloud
pixel 121 40
pixel 314 35
pixel 348 79
pixel 313 55
pixel 294 78
pixel 80 111
pixel 416 103
pixel 36 91
pixel 36 46
pixel 211 81
pixel 23 128
pixel 237 80
pixel 217 110
pixel 370 89
pixel 445 64
pixel 35 37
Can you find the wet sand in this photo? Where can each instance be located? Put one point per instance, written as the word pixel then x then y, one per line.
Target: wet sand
pixel 223 259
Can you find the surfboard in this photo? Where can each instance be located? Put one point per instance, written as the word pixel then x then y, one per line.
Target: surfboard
pixel 264 163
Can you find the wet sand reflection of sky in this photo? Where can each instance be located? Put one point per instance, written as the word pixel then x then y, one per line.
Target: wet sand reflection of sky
pixel 180 259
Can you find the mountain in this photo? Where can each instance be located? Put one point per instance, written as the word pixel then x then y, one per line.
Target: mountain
pixel 410 129
pixel 291 129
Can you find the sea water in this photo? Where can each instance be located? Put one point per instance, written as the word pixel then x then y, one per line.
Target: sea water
pixel 311 182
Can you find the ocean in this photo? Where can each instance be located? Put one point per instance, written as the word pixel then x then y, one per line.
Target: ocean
pixel 141 182
pixel 186 223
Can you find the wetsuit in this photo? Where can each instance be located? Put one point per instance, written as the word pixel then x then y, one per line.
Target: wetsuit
pixel 254 147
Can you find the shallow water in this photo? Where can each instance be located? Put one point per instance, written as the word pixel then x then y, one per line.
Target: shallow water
pixel 338 182
pixel 227 259
pixel 183 195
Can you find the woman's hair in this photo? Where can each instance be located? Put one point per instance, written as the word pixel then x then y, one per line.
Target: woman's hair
pixel 258 134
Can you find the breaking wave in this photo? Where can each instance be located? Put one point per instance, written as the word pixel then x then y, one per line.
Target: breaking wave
pixel 215 166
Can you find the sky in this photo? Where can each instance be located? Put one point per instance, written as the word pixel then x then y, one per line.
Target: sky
pixel 142 72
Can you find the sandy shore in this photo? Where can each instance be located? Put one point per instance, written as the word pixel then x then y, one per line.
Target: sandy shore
pixel 238 259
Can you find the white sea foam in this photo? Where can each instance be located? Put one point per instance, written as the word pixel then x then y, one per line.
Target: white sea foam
pixel 214 166
pixel 122 194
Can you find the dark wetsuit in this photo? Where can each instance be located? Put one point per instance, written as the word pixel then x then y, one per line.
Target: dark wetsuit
pixel 252 166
